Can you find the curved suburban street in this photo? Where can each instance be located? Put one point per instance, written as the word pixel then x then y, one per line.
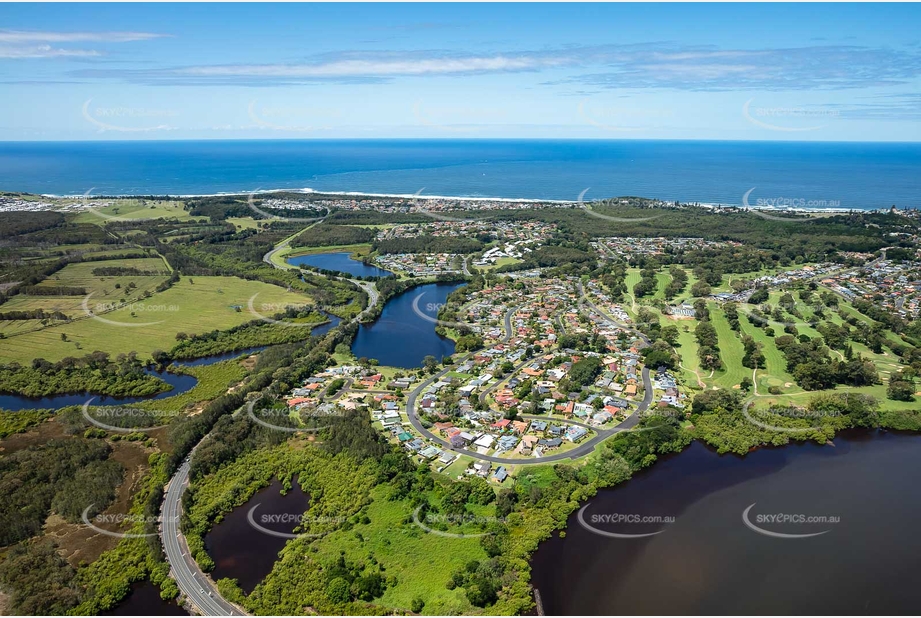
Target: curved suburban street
pixel 579 451
pixel 198 588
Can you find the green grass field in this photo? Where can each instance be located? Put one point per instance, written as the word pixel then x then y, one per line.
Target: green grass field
pixel 663 279
pixel 193 305
pixel 101 288
pixel 421 562
pixel 687 349
pixel 774 372
pixel 244 223
pixel 505 261
pixel 136 209
pixel 213 381
pixel 731 350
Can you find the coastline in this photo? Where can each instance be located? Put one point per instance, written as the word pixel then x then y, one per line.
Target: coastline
pixel 418 196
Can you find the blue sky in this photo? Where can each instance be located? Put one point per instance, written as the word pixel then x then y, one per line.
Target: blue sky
pixel 611 71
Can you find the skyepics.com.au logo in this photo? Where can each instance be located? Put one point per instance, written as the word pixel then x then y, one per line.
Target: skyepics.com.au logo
pixel 126 419
pixel 457 118
pixel 620 118
pixel 789 119
pixel 135 310
pixel 442 524
pixel 763 418
pixel 103 523
pixel 786 525
pixel 291 521
pixel 289 314
pixel 423 206
pixel 269 205
pixel 591 208
pixel 309 415
pixel 617 525
pixel 797 206
pixel 433 312
pixel 291 118
pixel 97 207
pixel 120 119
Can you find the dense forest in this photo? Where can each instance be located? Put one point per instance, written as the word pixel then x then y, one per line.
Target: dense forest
pixel 95 373
pixel 325 235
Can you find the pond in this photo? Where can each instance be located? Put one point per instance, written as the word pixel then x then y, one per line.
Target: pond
pixel 710 561
pixel 243 552
pixel 401 337
pixel 179 381
pixel 339 261
pixel 144 600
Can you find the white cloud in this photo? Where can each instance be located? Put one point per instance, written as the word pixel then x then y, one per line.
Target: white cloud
pixel 31 36
pixel 381 67
pixel 24 44
pixel 45 51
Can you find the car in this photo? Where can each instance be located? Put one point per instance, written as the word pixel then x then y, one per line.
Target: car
pixel 201 590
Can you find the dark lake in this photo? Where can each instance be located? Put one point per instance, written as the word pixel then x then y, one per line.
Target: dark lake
pixel 400 337
pixel 710 562
pixel 322 329
pixel 144 600
pixel 246 554
pixel 340 262
pixel 179 381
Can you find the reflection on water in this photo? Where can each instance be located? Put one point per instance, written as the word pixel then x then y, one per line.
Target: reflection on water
pixel 709 562
pixel 339 261
pixel 144 600
pixel 217 358
pixel 400 337
pixel 179 381
pixel 243 553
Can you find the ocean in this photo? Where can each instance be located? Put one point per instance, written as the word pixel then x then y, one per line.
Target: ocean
pixel 797 174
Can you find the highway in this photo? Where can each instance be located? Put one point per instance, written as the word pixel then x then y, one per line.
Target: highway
pixel 193 583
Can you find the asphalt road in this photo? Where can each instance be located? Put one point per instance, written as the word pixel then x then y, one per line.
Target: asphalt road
pixel 194 584
pixel 368 286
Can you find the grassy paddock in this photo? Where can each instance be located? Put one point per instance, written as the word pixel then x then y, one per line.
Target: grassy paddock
pixel 136 209
pixel 421 562
pixel 193 305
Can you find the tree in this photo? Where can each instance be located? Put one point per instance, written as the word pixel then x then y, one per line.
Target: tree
pixel 670 334
pixel 430 363
pixel 338 590
pixel 585 371
pixel 900 390
pixel 758 296
pixel 416 605
pixel 700 288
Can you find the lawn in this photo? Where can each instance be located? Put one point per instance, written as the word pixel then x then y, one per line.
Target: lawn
pixel 193 305
pixel 663 279
pixel 244 223
pixel 505 261
pixel 731 350
pixel 775 366
pixel 687 349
